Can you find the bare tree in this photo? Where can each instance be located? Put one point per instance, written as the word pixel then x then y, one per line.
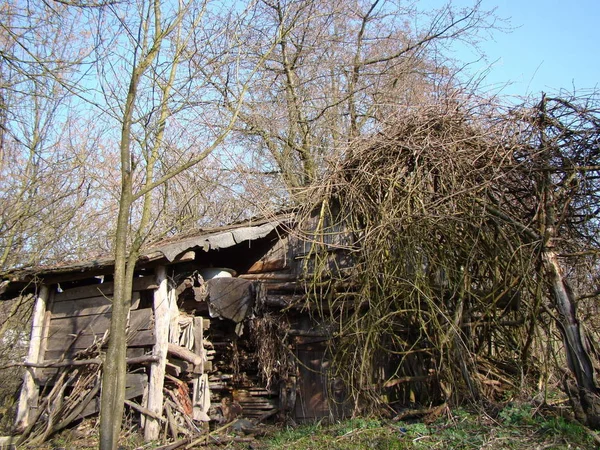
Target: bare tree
pixel 340 70
pixel 43 175
pixel 553 197
pixel 155 109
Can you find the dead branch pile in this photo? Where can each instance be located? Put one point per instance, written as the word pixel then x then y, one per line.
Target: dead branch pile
pixel 269 334
pixel 446 299
pixel 73 388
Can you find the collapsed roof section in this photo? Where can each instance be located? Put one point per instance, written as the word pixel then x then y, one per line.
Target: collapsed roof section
pixel 215 241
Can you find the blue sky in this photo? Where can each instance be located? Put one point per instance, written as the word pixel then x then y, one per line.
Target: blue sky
pixel 555 44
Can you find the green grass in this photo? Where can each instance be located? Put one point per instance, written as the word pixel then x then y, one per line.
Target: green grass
pixel 350 434
pixel 516 427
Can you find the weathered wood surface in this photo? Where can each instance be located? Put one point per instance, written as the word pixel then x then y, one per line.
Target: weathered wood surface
pixel 200 390
pixel 85 362
pixel 230 298
pixel 88 306
pixel 71 334
pixel 269 276
pixel 46 376
pixel 184 353
pixel 285 301
pixel 275 259
pixel 162 312
pixel 103 289
pixel 291 286
pixel 268 265
pixel 135 383
pixel 255 403
pixel 29 391
pixel 199 341
pixel 139 320
pixel 312 382
pixel 142 341
pixel 145 411
pixel 140 338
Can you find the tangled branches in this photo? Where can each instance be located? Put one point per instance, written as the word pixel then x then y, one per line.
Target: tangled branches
pixel 274 358
pixel 447 298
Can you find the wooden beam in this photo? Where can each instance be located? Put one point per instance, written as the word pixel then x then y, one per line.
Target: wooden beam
pixel 46 329
pixel 139 319
pixel 145 411
pixel 185 354
pixel 84 362
pixel 81 341
pixel 162 318
pixel 269 276
pixel 190 255
pixel 30 391
pixel 199 343
pixel 201 392
pixel 268 265
pixel 104 289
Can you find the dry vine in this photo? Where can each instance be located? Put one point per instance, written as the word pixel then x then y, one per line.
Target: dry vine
pixel 445 299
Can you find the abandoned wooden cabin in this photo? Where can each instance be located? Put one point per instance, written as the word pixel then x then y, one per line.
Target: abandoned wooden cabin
pixel 217 329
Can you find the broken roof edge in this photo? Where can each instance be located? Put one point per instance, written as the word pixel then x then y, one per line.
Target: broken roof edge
pixel 215 241
pixel 169 249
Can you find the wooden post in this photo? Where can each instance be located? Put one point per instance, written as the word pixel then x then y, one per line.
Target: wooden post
pixel 201 394
pixel 157 371
pixel 30 390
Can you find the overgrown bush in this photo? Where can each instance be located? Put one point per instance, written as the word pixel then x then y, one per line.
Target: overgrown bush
pixel 450 287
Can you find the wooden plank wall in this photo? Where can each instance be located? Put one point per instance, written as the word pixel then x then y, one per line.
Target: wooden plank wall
pixel 80 316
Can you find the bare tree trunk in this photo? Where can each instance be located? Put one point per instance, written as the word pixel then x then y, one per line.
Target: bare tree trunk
pixel 130 234
pixel 578 358
pixel 113 375
pixel 549 218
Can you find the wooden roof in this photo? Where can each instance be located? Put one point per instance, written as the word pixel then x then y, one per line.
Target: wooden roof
pixel 166 250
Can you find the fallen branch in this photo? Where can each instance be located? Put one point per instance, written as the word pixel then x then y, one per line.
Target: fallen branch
pixel 418 413
pixel 79 409
pixel 144 411
pixel 175 445
pixel 224 440
pixel 171 420
pixel 205 438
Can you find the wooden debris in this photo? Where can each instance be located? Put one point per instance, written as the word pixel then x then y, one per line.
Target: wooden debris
pixel 104 289
pixel 185 354
pixel 223 365
pixel 171 420
pixel 143 410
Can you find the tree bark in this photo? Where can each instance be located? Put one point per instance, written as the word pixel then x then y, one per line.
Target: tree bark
pixel 549 218
pixel 578 358
pixel 113 376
